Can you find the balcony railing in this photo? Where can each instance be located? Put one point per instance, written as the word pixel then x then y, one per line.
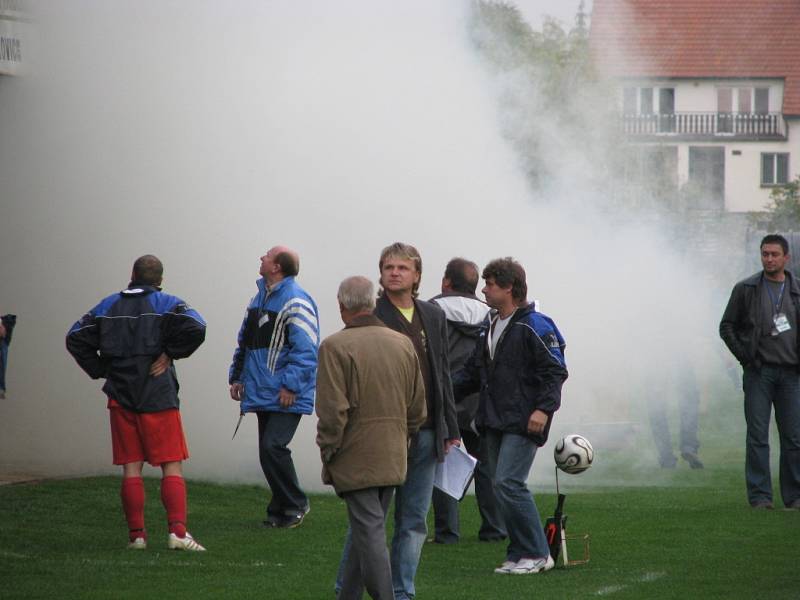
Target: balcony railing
pixel 706 124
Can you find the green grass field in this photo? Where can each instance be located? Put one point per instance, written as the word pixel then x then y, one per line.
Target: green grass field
pixel 679 534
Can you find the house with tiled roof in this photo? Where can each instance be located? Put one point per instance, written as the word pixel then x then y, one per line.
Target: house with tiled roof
pixel 708 89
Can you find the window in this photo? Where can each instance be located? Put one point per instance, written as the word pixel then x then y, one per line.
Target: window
pixel 646 97
pixel 745 100
pixel 724 110
pixel 666 101
pixel 762 101
pixel 774 168
pixel 666 110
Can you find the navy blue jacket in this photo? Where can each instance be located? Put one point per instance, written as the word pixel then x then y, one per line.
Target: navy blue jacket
pixel 121 337
pixel 526 374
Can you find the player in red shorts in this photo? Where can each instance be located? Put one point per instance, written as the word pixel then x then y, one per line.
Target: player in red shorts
pixel 130 339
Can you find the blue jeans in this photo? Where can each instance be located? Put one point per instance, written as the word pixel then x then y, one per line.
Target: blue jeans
pixel 510 458
pixel 411 503
pixel 763 389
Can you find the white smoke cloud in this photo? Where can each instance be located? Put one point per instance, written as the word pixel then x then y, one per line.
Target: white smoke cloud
pixel 205 133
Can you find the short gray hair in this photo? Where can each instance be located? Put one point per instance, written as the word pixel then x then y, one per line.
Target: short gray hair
pixel 357 294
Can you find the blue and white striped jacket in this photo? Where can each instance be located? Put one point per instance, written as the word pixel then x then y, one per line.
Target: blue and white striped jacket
pixel 278 343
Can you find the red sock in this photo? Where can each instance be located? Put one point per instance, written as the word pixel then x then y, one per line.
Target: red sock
pixel 173 496
pixel 132 494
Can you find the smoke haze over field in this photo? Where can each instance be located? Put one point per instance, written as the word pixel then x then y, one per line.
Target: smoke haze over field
pixel 205 133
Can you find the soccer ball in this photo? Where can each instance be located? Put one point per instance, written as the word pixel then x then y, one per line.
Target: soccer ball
pixel 573 453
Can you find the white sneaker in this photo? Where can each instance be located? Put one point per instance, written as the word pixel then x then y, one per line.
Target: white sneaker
pixel 185 543
pixel 526 566
pixel 506 567
pixel 138 544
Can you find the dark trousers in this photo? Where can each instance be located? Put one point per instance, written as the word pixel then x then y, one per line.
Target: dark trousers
pixel 275 431
pixel 764 388
pixel 367 563
pixel 445 507
pixel 3 361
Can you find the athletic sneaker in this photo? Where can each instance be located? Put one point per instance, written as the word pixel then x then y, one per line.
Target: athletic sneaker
pixel 525 566
pixel 138 544
pixel 506 567
pixel 185 543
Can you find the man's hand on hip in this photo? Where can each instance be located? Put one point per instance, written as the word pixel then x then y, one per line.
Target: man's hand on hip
pixel 160 365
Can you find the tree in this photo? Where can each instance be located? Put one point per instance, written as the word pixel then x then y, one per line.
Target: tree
pixel 783 211
pixel 545 83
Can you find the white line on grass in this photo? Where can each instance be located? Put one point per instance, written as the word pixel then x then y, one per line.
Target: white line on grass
pixel 653 576
pixel 645 578
pixel 610 589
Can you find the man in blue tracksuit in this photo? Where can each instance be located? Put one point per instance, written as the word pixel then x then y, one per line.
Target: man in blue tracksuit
pixel 273 374
pixel 518 367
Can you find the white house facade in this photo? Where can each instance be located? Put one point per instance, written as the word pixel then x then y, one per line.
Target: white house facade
pixel 711 98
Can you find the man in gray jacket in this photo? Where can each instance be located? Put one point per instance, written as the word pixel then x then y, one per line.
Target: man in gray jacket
pixel 466 318
pixel 760 329
pixel 370 399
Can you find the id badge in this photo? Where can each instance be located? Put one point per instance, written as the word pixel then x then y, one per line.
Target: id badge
pixel 781 323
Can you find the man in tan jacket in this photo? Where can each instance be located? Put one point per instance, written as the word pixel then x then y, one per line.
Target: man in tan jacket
pixel 370 399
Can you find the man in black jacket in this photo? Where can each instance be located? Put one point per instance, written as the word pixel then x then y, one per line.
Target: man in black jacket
pixel 424 323
pixel 466 317
pixel 130 339
pixel 759 327
pixel 518 366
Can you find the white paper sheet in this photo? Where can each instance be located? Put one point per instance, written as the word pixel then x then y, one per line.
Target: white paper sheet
pixel 455 473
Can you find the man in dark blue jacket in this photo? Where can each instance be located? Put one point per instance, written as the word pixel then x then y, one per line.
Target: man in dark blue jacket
pixel 518 366
pixel 130 339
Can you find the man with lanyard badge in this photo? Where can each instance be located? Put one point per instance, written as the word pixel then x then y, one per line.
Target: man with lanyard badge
pixel 759 327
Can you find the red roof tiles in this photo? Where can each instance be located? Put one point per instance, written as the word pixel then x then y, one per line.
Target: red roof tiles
pixel 700 38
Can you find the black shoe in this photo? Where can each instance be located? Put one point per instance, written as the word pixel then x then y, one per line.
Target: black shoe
pixel 668 462
pixel 692 459
pixel 762 505
pixel 271 521
pixel 286 521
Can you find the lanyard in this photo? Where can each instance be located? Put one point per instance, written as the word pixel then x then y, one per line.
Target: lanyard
pixel 775 303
